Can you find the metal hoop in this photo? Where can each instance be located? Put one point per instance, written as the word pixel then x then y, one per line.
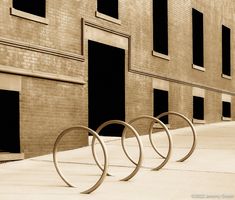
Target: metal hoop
pixel 126 125
pixel 193 130
pixel 104 171
pixel 166 159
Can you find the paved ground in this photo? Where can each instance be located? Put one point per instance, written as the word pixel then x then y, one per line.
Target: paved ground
pixel 208 174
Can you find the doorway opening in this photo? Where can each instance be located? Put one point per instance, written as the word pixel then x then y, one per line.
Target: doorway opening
pixel 198 108
pixel 160 101
pixel 106 87
pixel 9 121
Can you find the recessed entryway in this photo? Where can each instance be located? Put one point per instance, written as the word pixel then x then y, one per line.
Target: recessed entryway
pixel 160 102
pixel 9 121
pixel 106 86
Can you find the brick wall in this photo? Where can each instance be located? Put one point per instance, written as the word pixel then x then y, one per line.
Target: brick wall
pixel 43 55
pixel 178 69
pixel 47 108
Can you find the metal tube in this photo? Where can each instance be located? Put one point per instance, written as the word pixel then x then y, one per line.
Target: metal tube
pixel 154 120
pixel 105 168
pixel 140 145
pixel 192 128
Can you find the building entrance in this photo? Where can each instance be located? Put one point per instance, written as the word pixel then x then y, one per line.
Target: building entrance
pixel 106 90
pixel 9 121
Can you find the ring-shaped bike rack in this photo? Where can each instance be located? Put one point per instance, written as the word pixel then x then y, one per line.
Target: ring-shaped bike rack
pixel 126 125
pixel 192 128
pixel 105 168
pixel 166 159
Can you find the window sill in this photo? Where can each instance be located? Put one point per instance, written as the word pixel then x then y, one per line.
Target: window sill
pixel 226 76
pixel 226 119
pixel 28 16
pixel 107 18
pixel 158 126
pixel 198 121
pixel 200 68
pixel 160 55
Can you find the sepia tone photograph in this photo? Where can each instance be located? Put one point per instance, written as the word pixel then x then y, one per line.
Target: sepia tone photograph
pixel 117 99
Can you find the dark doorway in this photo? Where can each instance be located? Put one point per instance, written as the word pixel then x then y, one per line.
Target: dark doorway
pixel 160 99
pixel 198 108
pixel 9 121
pixel 226 109
pixel 106 90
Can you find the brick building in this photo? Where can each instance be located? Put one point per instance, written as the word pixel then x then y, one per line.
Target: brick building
pixel 83 62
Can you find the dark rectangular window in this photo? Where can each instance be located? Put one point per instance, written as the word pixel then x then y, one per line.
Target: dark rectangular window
pixel 161 104
pixel 198 108
pixel 35 7
pixel 198 38
pixel 108 7
pixel 160 26
pixel 226 109
pixel 226 61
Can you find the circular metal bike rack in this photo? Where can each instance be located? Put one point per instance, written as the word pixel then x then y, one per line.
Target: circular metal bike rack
pixel 192 128
pixel 105 167
pixel 140 145
pixel 154 120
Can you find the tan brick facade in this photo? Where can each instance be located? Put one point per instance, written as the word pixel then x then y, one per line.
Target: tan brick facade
pixel 50 61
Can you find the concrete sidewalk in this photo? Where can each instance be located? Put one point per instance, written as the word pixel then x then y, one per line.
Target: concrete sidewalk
pixel 208 174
